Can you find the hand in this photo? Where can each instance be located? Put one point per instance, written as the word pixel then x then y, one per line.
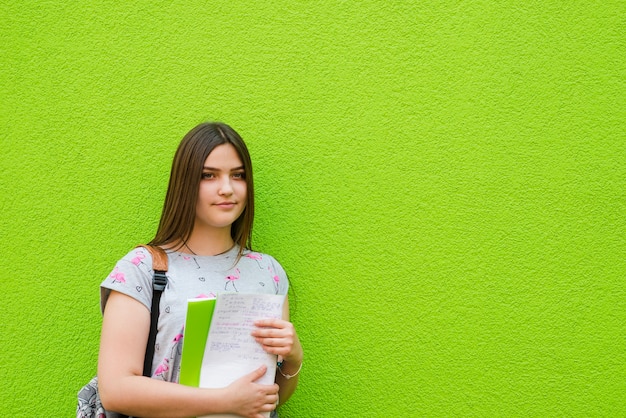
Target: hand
pixel 279 337
pixel 251 399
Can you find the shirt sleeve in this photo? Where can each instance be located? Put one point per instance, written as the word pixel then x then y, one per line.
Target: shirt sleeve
pixel 132 276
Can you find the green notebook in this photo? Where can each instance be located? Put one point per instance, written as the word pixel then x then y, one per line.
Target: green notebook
pixel 197 323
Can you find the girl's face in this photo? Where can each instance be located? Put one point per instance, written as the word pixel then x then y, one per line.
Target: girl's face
pixel 222 196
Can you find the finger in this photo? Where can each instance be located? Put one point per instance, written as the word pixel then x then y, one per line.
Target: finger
pixel 257 374
pixel 268 407
pixel 277 351
pixel 273 333
pixel 270 322
pixel 273 342
pixel 272 336
pixel 271 401
pixel 269 333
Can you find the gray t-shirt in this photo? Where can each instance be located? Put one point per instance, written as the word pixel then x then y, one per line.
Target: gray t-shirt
pixel 189 276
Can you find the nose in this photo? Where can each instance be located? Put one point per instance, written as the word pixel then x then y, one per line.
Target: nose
pixel 226 189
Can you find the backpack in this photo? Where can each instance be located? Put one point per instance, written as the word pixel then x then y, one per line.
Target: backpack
pixel 89 404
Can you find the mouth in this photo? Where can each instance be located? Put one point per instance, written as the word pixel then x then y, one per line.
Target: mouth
pixel 226 204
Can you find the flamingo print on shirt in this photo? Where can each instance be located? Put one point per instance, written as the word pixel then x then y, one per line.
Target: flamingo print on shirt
pixel 188 257
pixel 231 280
pixel 117 276
pixel 256 257
pixel 139 256
pixel 177 346
pixel 275 277
pixel 162 368
pixel 211 295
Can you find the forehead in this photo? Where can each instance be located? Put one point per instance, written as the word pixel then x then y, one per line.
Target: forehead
pixel 223 156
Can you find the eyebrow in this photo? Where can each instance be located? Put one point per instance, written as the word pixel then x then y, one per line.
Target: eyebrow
pixel 217 169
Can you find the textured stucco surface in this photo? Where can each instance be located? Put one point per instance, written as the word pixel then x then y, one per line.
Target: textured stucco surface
pixel 445 183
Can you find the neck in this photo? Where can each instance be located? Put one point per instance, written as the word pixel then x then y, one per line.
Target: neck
pixel 209 242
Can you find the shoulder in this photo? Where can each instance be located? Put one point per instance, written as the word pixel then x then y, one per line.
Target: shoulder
pixel 266 268
pixel 137 256
pixel 268 263
pixel 260 257
pixel 131 275
pixel 145 258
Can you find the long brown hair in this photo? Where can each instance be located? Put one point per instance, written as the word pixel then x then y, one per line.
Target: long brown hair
pixel 179 209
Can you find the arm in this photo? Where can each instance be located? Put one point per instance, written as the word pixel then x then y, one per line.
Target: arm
pixel 279 337
pixel 123 388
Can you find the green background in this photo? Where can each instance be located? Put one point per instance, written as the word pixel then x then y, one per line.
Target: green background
pixel 445 183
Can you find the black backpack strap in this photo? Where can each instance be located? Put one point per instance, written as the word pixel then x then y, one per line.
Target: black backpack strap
pixel 159 282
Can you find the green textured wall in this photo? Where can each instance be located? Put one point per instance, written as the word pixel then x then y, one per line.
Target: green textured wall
pixel 445 182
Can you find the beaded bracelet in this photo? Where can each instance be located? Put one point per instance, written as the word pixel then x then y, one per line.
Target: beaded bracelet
pixel 288 376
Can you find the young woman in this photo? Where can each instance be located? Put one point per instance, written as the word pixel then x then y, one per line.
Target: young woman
pixel 205 228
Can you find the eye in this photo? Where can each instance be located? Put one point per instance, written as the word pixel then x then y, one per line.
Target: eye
pixel 208 175
pixel 240 175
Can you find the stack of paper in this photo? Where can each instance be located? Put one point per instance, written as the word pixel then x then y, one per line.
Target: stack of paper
pixel 218 347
